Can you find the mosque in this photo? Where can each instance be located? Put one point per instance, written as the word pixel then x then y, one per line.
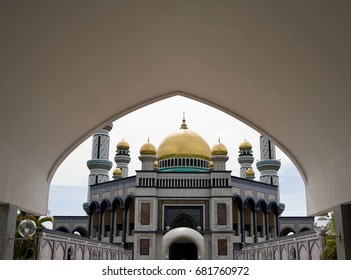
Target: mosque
pixel 183 203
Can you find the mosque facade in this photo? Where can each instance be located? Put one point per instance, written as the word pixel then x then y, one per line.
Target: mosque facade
pixel 184 203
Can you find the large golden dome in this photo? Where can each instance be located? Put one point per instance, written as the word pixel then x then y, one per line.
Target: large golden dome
pixel 184 143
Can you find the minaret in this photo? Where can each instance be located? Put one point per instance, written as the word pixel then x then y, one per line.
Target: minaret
pixel 268 165
pixel 219 156
pixel 99 164
pixel 122 157
pixel 250 174
pixel 245 158
pixel 148 156
pixel 117 174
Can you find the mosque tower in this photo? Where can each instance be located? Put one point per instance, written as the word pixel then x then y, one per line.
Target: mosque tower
pixel 99 164
pixel 250 174
pixel 148 156
pixel 219 156
pixel 117 174
pixel 245 160
pixel 268 165
pixel 122 157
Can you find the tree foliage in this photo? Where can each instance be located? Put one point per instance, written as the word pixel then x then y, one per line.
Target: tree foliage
pixel 329 251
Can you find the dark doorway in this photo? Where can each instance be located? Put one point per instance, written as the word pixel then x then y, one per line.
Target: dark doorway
pixel 69 254
pixel 183 251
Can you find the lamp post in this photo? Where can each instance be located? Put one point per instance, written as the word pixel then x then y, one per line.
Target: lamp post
pixel 26 229
pixel 323 228
pixel 321 225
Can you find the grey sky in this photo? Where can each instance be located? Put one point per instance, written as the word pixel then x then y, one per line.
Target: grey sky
pixel 68 190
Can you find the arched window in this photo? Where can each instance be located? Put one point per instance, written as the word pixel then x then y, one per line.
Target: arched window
pixel 130 216
pixel 117 218
pixel 94 220
pixel 70 254
pixel 183 220
pixel 236 214
pixel 287 231
pixel 106 217
pixel 292 253
pixel 249 219
pixel 261 219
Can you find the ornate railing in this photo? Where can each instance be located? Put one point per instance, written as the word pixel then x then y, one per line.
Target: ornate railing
pixel 56 245
pixel 301 246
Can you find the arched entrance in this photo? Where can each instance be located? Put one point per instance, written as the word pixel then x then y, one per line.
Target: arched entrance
pixel 183 250
pixel 183 243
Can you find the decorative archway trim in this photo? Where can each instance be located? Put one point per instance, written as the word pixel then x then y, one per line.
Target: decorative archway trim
pixel 182 233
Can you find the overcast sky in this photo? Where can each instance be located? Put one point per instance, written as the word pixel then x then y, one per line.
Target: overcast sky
pixel 68 190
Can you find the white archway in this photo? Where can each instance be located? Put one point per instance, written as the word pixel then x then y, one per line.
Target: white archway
pixel 183 233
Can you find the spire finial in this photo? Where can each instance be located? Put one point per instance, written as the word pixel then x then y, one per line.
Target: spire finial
pixel 184 125
pixel 148 139
pixel 219 139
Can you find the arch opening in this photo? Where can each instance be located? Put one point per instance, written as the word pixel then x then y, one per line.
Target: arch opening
pixel 183 97
pixel 183 250
pixel 183 220
pixel 183 238
pixel 155 125
pixel 81 231
pixel 287 231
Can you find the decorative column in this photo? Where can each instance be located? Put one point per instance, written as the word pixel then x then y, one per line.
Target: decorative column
pixel 242 225
pixel 268 165
pixel 148 156
pixel 219 156
pixel 122 157
pixel 8 215
pixel 342 218
pixel 254 214
pixel 99 164
pixel 124 230
pixel 112 226
pixel 245 158
pixel 266 230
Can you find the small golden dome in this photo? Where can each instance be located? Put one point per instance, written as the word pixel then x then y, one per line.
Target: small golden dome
pixel 219 149
pixel 155 164
pixel 211 165
pixel 184 143
pixel 249 172
pixel 245 146
pixel 117 172
pixel 148 149
pixel 123 145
